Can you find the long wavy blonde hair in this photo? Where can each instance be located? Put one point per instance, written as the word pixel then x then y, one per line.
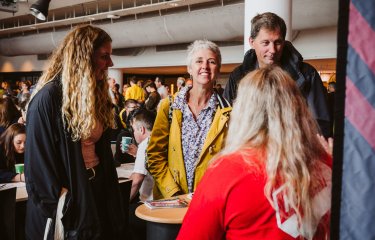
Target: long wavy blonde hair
pixel 271 115
pixel 85 99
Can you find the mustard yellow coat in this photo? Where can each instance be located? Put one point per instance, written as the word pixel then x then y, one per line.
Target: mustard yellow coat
pixel 164 152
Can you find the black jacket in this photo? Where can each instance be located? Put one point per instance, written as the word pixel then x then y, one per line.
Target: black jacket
pixel 53 161
pixel 306 77
pixel 7 173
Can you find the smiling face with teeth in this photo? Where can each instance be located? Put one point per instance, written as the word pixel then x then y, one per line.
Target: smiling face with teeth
pixel 204 68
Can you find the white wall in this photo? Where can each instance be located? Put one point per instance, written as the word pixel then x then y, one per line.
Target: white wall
pixel 317 43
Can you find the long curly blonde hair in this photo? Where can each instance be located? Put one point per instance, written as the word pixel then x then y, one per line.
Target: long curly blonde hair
pixel 270 114
pixel 85 99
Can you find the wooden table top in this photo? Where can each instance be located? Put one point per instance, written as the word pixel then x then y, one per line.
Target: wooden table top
pixel 162 215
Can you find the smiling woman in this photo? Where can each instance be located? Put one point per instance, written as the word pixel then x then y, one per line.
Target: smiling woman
pixel 190 128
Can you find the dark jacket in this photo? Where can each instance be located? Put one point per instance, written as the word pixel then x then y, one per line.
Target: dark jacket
pixel 306 77
pixel 7 173
pixel 53 161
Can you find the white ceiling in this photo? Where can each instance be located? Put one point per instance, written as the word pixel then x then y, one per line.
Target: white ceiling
pixel 306 13
pixel 163 26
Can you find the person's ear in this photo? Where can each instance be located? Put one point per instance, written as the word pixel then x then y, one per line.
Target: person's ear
pixel 142 129
pixel 251 41
pixel 189 70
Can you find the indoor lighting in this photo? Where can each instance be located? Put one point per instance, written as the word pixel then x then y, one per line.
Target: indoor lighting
pixel 40 9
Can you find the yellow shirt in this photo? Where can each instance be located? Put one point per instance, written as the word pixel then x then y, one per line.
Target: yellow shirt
pixel 135 92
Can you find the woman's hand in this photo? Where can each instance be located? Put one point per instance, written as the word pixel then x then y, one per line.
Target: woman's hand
pixel 327 145
pixel 132 150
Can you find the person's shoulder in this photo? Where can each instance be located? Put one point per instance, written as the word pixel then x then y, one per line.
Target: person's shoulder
pixel 307 68
pixel 47 95
pixel 243 161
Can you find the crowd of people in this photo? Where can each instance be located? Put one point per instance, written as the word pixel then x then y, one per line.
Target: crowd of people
pixel 259 170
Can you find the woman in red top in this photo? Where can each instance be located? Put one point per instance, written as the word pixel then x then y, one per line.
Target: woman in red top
pixel 273 178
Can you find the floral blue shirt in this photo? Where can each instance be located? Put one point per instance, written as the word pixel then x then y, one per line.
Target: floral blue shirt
pixel 194 132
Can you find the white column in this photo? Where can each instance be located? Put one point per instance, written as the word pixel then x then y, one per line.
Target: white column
pixel 282 8
pixel 117 75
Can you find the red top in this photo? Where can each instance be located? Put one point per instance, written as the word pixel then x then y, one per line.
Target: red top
pixel 229 203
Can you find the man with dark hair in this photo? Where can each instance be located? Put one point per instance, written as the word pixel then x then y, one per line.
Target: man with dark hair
pixel 267 38
pixel 142 122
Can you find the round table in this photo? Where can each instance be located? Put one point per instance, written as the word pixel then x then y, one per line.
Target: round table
pixel 162 223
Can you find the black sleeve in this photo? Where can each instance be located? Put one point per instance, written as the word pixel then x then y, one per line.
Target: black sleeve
pixel 317 99
pixel 42 158
pixel 230 91
pixel 6 175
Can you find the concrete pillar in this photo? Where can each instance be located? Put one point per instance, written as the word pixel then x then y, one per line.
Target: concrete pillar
pixel 117 75
pixel 282 8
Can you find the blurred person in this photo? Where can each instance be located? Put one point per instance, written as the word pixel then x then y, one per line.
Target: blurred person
pixel 189 82
pixel 140 83
pixel 272 180
pixel 267 39
pixel 111 86
pixel 120 100
pixel 68 133
pixel 180 83
pixel 12 149
pixel 162 90
pixel 24 95
pixel 127 131
pixel 134 91
pixel 124 88
pixel 9 113
pixel 8 92
pixel 153 98
pixel 191 129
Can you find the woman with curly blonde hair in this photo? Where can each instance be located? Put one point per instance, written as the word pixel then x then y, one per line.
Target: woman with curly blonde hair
pixel 69 165
pixel 273 178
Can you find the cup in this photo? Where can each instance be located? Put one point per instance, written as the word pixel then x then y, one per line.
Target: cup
pixel 125 141
pixel 19 168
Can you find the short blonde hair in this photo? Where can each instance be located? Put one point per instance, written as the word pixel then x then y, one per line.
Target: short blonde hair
pixel 202 44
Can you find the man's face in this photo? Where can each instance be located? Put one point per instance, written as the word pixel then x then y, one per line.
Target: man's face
pixel 137 132
pixel 268 46
pixel 157 83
